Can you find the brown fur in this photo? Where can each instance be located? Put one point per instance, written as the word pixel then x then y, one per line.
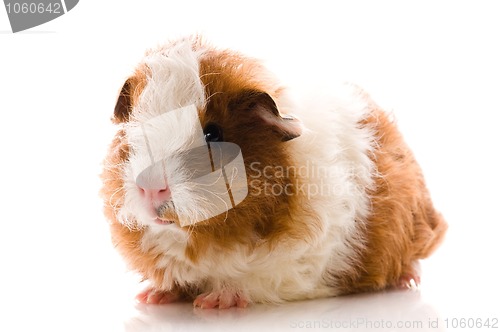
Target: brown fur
pixel 231 81
pixel 403 226
pixel 129 94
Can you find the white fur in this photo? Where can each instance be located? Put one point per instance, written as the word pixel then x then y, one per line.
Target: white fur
pixel 333 149
pixel 164 123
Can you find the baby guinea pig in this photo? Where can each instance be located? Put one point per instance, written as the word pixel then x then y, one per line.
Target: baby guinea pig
pixel 220 190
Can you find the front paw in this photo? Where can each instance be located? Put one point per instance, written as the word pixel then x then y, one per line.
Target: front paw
pixel 222 299
pixel 154 296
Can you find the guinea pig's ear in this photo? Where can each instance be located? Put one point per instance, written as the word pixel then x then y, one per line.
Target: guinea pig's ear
pixel 123 105
pixel 263 105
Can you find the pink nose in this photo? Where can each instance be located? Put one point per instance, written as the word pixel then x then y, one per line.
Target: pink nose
pixel 156 195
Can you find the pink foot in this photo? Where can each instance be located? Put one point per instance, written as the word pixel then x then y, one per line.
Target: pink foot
pixel 408 281
pixel 222 299
pixel 153 296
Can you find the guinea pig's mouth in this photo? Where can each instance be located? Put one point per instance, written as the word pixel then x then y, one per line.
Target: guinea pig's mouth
pixel 165 214
pixel 161 221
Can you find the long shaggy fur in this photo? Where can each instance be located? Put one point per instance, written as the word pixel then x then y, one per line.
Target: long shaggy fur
pixel 342 208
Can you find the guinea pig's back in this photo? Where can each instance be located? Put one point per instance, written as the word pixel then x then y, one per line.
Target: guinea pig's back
pixel 403 225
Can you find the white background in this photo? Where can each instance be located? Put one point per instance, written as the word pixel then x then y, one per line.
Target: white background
pixel 434 64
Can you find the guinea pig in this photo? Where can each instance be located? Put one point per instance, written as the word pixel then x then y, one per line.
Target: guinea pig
pixel 221 190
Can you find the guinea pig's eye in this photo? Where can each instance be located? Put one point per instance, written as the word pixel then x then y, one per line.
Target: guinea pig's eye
pixel 213 133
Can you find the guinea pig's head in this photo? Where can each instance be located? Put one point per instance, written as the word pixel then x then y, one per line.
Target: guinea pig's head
pixel 199 127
